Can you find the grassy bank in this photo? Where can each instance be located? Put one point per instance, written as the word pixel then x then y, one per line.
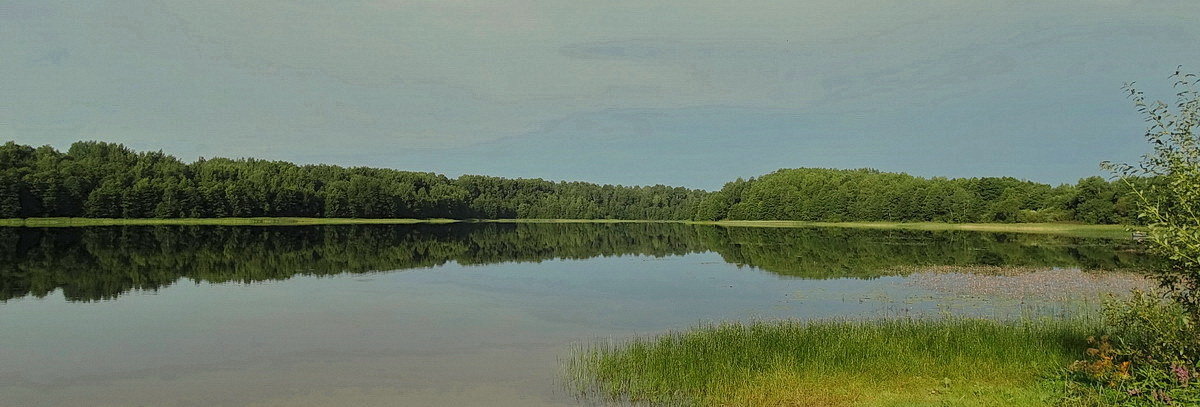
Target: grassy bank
pixel 1069 229
pixel 1064 229
pixel 67 222
pixel 580 221
pixel 1080 230
pixel 960 362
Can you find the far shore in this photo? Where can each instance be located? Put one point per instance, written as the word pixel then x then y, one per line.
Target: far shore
pixel 1068 229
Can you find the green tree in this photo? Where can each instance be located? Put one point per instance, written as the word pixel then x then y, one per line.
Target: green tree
pixel 1170 203
pixel 140 200
pixel 1095 201
pixel 104 202
pixel 106 179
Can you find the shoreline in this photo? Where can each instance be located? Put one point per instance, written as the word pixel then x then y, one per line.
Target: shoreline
pixel 1068 229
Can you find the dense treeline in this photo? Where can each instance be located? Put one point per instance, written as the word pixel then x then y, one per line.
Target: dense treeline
pixel 869 195
pixel 106 180
pixel 97 263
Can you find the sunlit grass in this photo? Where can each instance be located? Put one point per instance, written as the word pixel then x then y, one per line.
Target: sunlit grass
pixel 1065 229
pixel 900 362
pixel 579 221
pixel 62 222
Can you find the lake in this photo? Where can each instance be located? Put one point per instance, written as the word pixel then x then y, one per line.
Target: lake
pixel 464 314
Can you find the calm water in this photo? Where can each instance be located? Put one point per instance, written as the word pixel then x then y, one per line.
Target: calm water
pixel 461 314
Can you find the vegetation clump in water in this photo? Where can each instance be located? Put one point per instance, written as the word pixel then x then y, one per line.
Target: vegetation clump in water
pixel 957 361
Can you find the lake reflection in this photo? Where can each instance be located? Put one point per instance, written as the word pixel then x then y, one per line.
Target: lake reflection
pixel 106 262
pixel 298 315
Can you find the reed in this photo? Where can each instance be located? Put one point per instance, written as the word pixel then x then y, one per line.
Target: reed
pixel 839 362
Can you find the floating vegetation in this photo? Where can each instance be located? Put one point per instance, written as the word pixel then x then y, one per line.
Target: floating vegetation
pixel 1029 283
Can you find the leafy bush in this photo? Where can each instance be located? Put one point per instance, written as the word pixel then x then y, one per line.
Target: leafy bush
pixel 1152 353
pixel 1149 356
pixel 1170 204
pixel 1153 331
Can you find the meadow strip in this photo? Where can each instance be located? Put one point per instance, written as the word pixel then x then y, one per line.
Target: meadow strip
pixel 875 362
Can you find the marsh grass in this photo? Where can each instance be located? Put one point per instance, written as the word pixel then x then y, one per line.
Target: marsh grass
pixel 1062 229
pixel 264 221
pixel 975 270
pixel 951 361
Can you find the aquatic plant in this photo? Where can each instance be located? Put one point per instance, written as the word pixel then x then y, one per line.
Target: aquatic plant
pixel 836 362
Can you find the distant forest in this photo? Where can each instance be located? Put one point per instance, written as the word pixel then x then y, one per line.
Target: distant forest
pixel 107 180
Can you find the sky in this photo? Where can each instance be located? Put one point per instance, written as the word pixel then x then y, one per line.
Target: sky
pixel 680 92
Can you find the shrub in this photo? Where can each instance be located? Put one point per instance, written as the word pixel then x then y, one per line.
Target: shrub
pixel 1170 201
pixel 1148 356
pixel 1153 331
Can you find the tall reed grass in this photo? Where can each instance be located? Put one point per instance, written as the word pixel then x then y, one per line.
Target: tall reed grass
pixel 955 361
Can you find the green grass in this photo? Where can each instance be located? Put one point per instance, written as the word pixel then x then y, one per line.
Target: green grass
pixel 1067 229
pixel 67 222
pixel 907 362
pixel 580 221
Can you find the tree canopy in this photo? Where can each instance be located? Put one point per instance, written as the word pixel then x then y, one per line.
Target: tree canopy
pixel 830 195
pixel 107 180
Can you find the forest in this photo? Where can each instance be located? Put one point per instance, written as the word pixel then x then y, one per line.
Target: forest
pixel 830 195
pixel 107 180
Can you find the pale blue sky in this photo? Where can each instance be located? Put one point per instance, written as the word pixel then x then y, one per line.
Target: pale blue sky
pixel 684 92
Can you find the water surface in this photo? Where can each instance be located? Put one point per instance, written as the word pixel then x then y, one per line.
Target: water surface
pixel 457 314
